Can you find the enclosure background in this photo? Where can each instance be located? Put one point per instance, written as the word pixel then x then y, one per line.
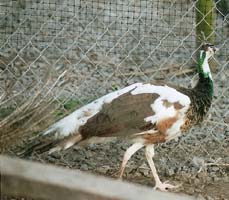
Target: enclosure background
pixel 75 51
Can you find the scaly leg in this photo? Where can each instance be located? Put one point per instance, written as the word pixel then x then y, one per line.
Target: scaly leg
pixel 158 184
pixel 129 152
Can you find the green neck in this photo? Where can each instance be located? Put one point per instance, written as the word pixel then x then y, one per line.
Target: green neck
pixel 205 84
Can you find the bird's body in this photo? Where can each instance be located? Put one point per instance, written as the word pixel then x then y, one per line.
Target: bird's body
pixel 128 113
pixel 145 114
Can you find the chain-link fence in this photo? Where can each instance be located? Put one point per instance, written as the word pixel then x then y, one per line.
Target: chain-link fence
pixel 59 55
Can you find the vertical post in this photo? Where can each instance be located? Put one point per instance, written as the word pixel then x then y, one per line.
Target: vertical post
pixel 205 24
pixel 204 21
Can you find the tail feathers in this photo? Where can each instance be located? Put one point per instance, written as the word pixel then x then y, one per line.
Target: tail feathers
pixel 50 130
pixel 66 143
pixel 44 144
pixel 38 146
pixel 61 129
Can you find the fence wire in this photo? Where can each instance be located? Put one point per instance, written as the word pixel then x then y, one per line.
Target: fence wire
pixel 77 50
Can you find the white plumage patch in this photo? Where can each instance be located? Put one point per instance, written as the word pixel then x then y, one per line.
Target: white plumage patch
pixel 71 123
pixel 206 68
pixel 161 112
pixel 165 92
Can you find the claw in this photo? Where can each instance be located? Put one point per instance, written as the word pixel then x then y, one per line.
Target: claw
pixel 58 148
pixel 117 174
pixel 165 186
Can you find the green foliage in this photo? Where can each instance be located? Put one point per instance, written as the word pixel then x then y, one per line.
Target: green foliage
pixel 114 87
pixel 68 107
pixel 71 104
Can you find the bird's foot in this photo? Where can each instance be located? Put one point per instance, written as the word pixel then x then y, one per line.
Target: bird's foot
pixel 117 174
pixel 54 149
pixel 165 186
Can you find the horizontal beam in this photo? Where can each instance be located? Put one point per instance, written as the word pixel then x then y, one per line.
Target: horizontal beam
pixel 30 179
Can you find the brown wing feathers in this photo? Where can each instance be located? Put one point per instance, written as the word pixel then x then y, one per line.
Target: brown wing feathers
pixel 124 116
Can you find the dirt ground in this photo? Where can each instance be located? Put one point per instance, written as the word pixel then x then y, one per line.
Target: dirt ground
pixel 104 159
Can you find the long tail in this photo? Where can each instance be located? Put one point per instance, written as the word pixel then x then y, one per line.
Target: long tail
pixel 60 135
pixel 38 145
pixel 66 143
pixel 66 130
pixel 43 144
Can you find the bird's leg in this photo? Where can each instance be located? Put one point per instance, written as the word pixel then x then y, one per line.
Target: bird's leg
pixel 129 152
pixel 158 184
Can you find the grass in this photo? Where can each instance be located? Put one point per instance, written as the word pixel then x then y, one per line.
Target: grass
pixel 67 107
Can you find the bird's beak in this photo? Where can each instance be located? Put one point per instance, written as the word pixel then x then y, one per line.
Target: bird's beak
pixel 215 49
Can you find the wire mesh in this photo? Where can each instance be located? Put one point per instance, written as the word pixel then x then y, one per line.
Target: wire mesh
pixel 89 48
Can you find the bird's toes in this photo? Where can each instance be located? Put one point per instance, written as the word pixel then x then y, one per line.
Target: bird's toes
pixel 117 174
pixel 166 186
pixel 52 150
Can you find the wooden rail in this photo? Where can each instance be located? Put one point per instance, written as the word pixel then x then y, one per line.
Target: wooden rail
pixel 30 179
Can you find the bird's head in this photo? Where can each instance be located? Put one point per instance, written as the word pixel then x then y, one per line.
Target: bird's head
pixel 206 52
